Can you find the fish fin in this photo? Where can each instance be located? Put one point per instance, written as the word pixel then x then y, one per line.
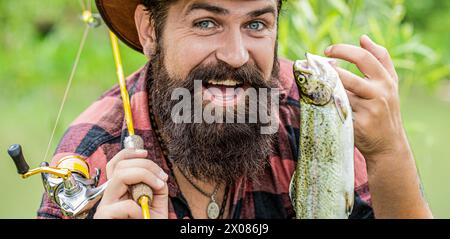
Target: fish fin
pixel 341 109
pixel 349 202
pixel 292 191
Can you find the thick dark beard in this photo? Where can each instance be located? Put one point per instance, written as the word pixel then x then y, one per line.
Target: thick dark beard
pixel 219 152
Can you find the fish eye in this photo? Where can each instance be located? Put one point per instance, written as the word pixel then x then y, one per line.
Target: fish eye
pixel 301 79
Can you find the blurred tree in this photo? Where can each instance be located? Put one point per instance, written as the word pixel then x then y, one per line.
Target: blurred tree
pixel 312 25
pixel 431 19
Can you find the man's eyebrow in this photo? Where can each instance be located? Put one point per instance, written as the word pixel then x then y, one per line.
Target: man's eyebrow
pixel 268 9
pixel 207 7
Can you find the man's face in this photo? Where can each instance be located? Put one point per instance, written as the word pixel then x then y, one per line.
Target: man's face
pixel 220 43
pixel 235 32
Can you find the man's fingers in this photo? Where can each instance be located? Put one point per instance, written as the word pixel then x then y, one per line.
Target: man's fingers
pixel 121 210
pixel 380 53
pixel 333 62
pixel 142 163
pixel 124 178
pixel 122 155
pixel 363 59
pixel 356 102
pixel 161 199
pixel 355 84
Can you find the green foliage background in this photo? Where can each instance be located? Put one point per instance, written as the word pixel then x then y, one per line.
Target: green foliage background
pixel 39 41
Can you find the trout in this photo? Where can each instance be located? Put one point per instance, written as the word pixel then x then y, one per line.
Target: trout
pixel 322 186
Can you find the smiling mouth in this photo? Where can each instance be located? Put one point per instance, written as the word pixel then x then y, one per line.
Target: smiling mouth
pixel 225 83
pixel 223 92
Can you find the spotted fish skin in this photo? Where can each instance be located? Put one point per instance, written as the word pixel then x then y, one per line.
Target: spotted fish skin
pixel 322 186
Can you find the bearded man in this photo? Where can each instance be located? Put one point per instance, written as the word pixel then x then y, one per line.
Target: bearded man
pixel 230 44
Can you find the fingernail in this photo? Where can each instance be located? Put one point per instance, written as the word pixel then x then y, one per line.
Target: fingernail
pixel 162 175
pixel 332 62
pixel 159 183
pixel 328 50
pixel 141 151
pixel 367 38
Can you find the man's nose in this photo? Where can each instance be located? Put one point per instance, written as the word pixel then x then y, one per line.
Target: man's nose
pixel 233 50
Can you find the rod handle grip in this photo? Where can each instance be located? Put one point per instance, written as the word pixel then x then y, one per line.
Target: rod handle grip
pixel 141 189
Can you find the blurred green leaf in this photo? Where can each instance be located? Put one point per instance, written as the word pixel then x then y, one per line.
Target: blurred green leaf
pixel 312 25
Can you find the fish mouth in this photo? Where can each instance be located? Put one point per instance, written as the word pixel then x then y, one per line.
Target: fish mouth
pixel 315 79
pixel 302 69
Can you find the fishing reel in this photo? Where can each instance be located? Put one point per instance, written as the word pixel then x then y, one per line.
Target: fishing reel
pixel 68 184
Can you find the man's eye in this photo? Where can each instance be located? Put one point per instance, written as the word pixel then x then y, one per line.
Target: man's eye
pixel 256 26
pixel 204 25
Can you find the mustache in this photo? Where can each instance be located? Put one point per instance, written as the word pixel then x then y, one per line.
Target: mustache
pixel 247 74
pixel 221 153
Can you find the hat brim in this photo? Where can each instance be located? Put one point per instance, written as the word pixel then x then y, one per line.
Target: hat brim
pixel 118 15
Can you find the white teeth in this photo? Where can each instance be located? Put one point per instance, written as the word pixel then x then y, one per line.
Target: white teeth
pixel 225 83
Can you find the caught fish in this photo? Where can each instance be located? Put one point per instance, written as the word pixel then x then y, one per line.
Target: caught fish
pixel 323 183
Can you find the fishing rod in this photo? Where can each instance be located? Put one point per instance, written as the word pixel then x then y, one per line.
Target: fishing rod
pixel 141 193
pixel 69 184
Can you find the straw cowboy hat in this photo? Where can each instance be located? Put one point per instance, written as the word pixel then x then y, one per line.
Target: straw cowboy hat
pixel 119 16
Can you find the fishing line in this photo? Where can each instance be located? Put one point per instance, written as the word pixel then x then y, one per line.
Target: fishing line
pixel 69 84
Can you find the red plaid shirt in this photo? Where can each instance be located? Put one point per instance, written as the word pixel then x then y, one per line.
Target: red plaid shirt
pixel 98 133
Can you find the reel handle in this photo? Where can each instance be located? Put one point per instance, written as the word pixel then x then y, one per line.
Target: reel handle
pixel 15 152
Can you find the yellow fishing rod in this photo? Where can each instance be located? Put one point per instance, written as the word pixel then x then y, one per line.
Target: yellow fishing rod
pixel 141 193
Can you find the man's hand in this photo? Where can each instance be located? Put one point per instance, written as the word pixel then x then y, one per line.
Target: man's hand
pixel 374 99
pixel 379 132
pixel 127 168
